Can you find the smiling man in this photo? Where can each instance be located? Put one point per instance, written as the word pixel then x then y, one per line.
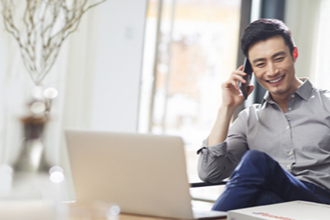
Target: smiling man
pixel 273 65
pixel 278 150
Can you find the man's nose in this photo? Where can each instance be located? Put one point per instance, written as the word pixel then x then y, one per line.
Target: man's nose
pixel 272 70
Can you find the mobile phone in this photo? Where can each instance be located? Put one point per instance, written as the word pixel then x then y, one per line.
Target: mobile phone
pixel 248 70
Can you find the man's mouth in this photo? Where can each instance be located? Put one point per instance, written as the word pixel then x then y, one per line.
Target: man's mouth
pixel 276 80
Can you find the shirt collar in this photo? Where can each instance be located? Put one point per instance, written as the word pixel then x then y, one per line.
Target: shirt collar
pixel 304 91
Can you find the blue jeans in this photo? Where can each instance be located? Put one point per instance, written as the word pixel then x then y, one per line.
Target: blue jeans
pixel 260 180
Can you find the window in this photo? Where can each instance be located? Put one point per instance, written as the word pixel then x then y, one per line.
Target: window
pixel 186 59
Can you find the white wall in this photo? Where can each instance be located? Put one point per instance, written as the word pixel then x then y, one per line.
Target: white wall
pixel 302 17
pixel 118 65
pixel 103 77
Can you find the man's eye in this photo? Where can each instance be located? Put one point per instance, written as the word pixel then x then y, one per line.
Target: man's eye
pixel 260 65
pixel 279 59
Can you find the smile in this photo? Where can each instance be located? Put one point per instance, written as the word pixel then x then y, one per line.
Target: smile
pixel 275 80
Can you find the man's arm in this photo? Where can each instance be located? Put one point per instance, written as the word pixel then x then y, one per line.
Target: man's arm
pixel 231 99
pixel 217 161
pixel 220 128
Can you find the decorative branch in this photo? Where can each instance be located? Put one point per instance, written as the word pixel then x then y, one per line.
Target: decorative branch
pixel 42 29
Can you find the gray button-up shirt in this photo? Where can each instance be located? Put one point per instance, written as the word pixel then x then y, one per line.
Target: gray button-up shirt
pixel 298 139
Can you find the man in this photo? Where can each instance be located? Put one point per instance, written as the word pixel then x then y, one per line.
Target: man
pixel 278 150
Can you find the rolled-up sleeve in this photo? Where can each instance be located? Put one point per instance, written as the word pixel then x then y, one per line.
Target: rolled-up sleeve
pixel 218 162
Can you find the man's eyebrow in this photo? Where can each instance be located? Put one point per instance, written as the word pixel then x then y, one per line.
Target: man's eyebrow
pixel 258 60
pixel 273 56
pixel 278 54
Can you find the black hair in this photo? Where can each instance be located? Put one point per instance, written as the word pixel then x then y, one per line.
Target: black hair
pixel 263 29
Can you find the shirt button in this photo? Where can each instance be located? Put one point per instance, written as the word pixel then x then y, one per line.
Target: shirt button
pixel 292 96
pixel 288 166
pixel 290 109
pixel 291 152
pixel 288 127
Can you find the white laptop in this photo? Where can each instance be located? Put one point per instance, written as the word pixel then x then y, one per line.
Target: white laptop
pixel 144 174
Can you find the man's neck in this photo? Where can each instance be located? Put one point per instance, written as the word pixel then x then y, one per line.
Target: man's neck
pixel 282 99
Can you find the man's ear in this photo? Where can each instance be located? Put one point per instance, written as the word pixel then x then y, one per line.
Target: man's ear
pixel 295 54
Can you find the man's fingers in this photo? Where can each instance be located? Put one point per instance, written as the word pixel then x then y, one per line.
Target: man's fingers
pixel 239 76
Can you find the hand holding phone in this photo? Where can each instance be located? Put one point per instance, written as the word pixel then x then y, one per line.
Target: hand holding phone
pixel 244 87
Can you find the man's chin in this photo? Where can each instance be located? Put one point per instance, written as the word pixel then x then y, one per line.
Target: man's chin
pixel 278 91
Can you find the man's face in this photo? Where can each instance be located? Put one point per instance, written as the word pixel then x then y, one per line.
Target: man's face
pixel 273 66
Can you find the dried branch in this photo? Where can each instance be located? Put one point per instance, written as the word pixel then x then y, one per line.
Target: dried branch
pixel 42 29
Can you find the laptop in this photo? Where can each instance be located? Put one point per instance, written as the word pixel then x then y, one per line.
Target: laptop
pixel 143 174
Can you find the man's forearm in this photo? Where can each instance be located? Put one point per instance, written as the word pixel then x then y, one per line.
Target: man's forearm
pixel 219 131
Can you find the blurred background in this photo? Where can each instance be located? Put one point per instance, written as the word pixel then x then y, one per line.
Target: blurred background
pixel 153 66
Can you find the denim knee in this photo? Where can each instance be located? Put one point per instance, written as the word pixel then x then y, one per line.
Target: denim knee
pixel 253 162
pixel 254 156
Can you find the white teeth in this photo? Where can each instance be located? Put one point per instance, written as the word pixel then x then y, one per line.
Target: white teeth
pixel 276 80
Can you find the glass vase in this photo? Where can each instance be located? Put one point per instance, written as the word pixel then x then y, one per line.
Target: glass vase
pixel 31 169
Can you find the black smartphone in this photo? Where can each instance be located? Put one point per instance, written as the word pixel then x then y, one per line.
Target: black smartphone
pixel 248 70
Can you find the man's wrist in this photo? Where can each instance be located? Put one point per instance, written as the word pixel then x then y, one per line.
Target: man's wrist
pixel 227 110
